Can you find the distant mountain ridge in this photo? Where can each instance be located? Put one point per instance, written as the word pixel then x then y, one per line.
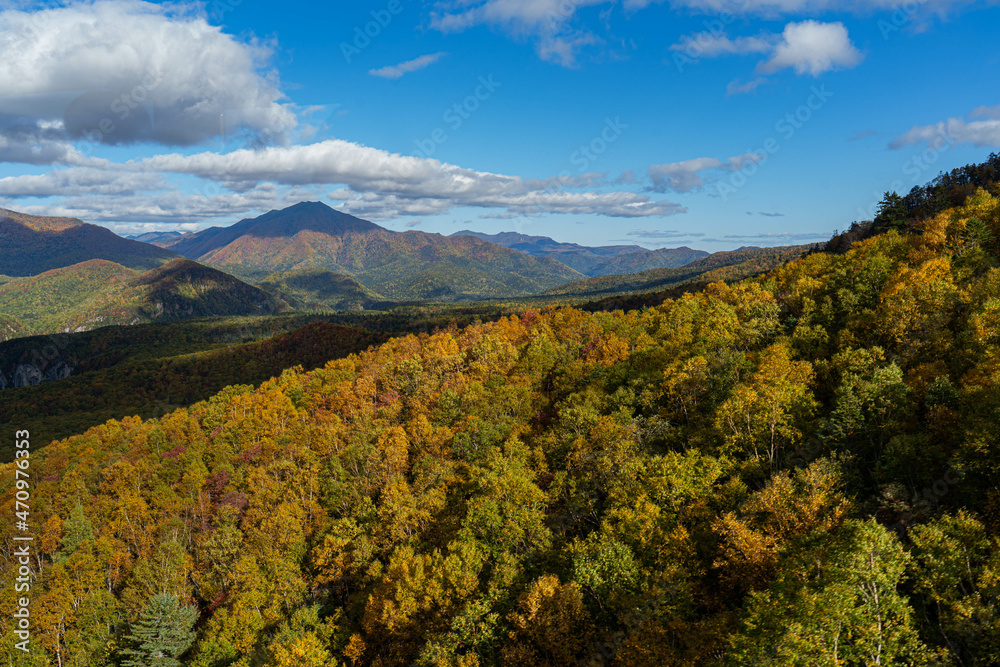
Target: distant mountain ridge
pixel 409 265
pixel 592 260
pixel 162 239
pixel 30 245
pixel 726 265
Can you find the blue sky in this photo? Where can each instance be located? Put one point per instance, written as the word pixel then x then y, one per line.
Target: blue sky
pixel 708 123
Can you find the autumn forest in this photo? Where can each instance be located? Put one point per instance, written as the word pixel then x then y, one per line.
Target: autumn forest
pixel 799 467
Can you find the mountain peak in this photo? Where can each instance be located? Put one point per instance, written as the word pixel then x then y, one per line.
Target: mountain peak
pixel 307 216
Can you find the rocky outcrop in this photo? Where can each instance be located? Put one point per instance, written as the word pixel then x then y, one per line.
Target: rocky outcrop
pixel 27 375
pixel 28 362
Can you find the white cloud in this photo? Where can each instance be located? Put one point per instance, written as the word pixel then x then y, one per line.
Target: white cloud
pixel 397 71
pixel 548 22
pixel 661 234
pixel 783 236
pixel 986 112
pixel 784 7
pixel 687 175
pixel 153 72
pixel 978 133
pixel 388 185
pixel 80 181
pixel 811 47
pixel 707 45
pixel 39 143
pixel 735 87
pixel 173 208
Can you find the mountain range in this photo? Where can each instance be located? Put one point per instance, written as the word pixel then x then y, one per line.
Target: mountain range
pixel 66 275
pixel 592 260
pixel 409 265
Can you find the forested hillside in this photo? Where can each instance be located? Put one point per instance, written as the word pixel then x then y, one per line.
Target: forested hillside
pixel 99 293
pixel 320 289
pixel 727 265
pixel 96 392
pixel 796 469
pixel 34 244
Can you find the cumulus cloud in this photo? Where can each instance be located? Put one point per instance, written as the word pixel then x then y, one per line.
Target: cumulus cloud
pixel 552 24
pixel 688 175
pixel 80 181
pixel 37 143
pixel 126 72
pixel 386 184
pixel 131 71
pixel 398 71
pixel 173 208
pixel 977 133
pixel 811 47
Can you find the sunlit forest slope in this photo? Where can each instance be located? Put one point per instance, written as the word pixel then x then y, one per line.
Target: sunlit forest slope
pixel 797 469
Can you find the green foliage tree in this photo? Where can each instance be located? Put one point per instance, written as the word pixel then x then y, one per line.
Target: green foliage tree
pixel 161 635
pixel 833 604
pixel 77 530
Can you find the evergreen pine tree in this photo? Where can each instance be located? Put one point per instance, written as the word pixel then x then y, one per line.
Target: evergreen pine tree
pixel 161 634
pixel 77 529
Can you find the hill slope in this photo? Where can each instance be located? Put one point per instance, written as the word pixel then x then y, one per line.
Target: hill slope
pixel 89 392
pixel 319 289
pixel 796 469
pixel 399 265
pixel 30 245
pixel 592 260
pixel 100 293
